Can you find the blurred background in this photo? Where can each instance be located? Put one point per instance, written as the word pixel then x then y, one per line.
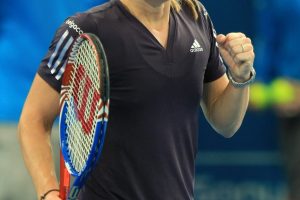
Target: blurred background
pixel 261 162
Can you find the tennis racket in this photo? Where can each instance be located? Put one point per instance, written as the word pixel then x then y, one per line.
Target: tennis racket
pixel 84 105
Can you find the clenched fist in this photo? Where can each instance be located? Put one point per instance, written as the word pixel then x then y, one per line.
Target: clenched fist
pixel 238 53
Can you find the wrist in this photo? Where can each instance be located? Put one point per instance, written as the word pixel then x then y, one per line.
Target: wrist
pixel 49 193
pixel 240 83
pixel 241 79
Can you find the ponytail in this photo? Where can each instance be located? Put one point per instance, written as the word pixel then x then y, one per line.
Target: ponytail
pixel 192 4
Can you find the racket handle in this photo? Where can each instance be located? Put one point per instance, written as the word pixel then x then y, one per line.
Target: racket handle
pixel 64 185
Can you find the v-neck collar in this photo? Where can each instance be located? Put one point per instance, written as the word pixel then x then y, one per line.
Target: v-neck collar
pixel 142 27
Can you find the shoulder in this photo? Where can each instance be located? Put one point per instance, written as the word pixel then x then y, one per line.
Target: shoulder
pixel 53 64
pixel 103 8
pixel 88 20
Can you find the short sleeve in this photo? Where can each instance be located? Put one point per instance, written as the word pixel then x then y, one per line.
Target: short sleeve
pixel 53 64
pixel 215 67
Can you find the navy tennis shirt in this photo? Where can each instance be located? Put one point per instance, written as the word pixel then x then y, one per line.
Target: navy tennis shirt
pixel 151 143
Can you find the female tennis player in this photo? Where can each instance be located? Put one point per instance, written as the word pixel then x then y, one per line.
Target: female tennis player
pixel 164 60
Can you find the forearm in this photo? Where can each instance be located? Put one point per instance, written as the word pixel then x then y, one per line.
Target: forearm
pixel 228 110
pixel 36 148
pixel 226 100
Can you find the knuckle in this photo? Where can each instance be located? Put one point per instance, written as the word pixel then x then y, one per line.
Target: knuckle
pixel 249 47
pixel 242 34
pixel 231 36
pixel 248 40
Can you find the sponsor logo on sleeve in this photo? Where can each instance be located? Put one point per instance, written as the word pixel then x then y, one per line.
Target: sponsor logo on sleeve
pixel 74 26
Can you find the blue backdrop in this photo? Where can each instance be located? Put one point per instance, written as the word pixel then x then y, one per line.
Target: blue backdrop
pixel 26 29
pixel 245 167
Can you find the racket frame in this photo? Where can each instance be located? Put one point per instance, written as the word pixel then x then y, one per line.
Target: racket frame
pixel 100 131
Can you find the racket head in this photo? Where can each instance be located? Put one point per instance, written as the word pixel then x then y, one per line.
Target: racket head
pixel 83 104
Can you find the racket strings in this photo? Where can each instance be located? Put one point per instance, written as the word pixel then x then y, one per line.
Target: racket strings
pixel 84 83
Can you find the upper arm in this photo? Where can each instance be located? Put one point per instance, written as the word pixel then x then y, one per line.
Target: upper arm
pixel 41 105
pixel 211 92
pixel 54 63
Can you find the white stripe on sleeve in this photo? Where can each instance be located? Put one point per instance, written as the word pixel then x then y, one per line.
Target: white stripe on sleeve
pixel 61 40
pixel 62 54
pixel 61 71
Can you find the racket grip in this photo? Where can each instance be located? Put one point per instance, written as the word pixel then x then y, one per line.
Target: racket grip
pixel 64 185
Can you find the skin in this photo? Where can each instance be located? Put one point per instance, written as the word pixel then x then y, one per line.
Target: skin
pixel 34 131
pixel 224 106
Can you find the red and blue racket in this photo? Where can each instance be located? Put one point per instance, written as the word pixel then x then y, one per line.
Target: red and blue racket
pixel 84 106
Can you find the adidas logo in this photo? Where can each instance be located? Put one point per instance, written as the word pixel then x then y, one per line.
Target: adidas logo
pixel 196 47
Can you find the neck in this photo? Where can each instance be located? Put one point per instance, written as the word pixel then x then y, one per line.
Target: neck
pixel 154 14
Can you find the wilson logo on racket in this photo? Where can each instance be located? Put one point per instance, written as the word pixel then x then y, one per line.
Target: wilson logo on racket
pixel 84 105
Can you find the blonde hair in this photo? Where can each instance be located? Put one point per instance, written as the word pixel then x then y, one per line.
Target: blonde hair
pixel 192 4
